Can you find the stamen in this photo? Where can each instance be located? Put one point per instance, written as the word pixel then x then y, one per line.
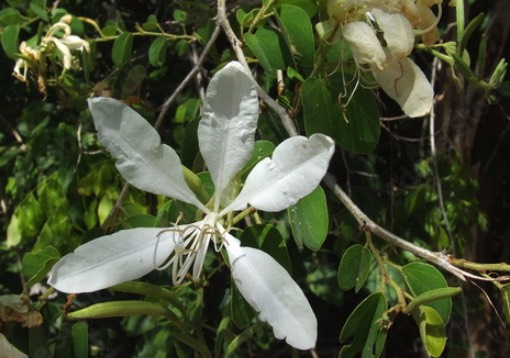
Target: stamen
pixel 191 243
pixel 175 228
pixel 158 236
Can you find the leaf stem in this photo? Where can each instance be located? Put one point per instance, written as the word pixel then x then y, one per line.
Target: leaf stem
pixel 379 260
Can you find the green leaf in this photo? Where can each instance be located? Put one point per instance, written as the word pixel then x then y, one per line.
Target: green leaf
pixel 139 220
pixel 242 312
pixel 240 16
pixel 270 48
pixel 201 349
pixel 39 11
pixel 80 334
pixel 26 221
pixel 35 265
pixel 187 111
pixel 38 343
pixel 122 48
pixel 109 30
pixel 10 40
pixel 129 80
pixel 151 24
pixel 238 341
pixel 190 149
pixel 268 239
pixel 363 328
pixel 180 15
pixel 505 297
pixel 9 16
pixel 354 267
pixel 263 149
pixel 309 220
pixel 309 6
pixel 420 278
pixel 297 30
pixel 355 128
pixel 157 52
pixel 148 289
pixel 222 334
pixel 432 330
pixel 56 14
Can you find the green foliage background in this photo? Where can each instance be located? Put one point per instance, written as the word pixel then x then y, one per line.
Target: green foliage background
pixel 58 186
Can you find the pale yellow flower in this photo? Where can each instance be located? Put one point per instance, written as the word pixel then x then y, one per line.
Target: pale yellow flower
pixel 381 35
pixel 66 43
pixel 57 40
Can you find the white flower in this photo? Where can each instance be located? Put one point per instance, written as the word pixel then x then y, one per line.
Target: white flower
pixel 57 41
pixel 226 139
pixel 66 43
pixel 397 75
pixel 364 24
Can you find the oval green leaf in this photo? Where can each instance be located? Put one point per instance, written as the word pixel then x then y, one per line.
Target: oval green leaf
pixel 309 220
pixel 309 6
pixel 364 329
pixel 270 49
pixel 109 30
pixel 122 48
pixel 38 10
pixel 297 30
pixel 355 128
pixel 158 51
pixel 80 333
pixel 432 331
pixel 242 312
pixel 420 278
pixel 35 265
pixel 9 16
pixel 354 267
pixel 10 40
pixel 268 239
pixel 263 149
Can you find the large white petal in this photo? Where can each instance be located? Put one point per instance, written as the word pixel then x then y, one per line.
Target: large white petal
pixel 141 158
pixel 398 32
pixel 364 44
pixel 272 292
pixel 226 131
pixel 404 81
pixel 7 350
pixel 112 259
pixel 296 168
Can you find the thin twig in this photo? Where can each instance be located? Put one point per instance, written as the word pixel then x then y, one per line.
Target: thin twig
pixel 437 258
pixel 435 168
pixel 236 45
pixel 189 77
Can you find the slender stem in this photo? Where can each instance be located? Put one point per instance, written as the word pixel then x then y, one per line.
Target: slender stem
pixel 236 45
pixel 435 168
pixel 189 77
pixel 379 260
pixel 261 14
pixel 242 215
pixel 437 258
pixel 480 267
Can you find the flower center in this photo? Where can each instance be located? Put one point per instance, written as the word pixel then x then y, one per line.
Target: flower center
pixel 191 244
